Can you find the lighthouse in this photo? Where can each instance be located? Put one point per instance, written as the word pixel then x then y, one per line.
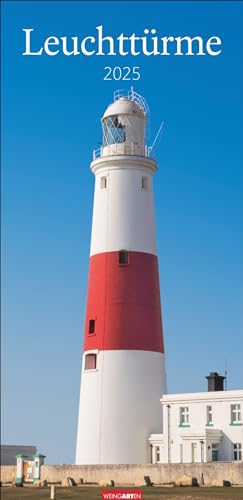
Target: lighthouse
pixel 123 366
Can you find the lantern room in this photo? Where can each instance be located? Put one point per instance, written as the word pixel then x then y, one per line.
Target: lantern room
pixel 124 125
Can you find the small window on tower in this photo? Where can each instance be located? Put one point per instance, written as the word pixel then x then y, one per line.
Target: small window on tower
pixel 103 182
pixel 123 257
pixel 145 183
pixel 90 361
pixel 91 326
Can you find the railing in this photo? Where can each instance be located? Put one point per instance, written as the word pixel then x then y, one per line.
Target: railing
pixel 97 153
pixel 122 149
pixel 133 96
pixel 123 93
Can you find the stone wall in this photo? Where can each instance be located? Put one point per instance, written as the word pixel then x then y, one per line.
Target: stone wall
pixel 8 473
pixel 213 473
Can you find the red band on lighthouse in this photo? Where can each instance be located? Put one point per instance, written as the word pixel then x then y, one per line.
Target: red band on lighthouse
pixel 123 309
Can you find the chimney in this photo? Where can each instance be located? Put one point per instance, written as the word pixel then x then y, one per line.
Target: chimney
pixel 215 382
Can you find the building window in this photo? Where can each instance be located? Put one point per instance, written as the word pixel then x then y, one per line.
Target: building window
pixel 123 257
pixel 235 414
pixel 209 415
pixel 91 326
pixel 145 183
pixel 184 415
pixel 157 454
pixel 103 182
pixel 237 451
pixel 90 362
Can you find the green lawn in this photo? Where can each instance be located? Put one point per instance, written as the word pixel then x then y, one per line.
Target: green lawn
pixel 94 493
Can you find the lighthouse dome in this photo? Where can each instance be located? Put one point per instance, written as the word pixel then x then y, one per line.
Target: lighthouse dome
pixel 124 106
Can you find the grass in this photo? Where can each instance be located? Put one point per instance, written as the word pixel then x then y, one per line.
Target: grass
pixel 94 493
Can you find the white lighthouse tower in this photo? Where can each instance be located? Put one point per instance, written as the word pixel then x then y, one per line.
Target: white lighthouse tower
pixel 123 369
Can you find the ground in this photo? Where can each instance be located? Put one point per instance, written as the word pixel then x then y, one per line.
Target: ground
pixel 94 493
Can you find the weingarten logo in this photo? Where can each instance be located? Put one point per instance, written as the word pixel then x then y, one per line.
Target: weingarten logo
pixel 122 495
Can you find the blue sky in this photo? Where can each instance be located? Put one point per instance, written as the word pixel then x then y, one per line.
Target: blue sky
pixel 51 123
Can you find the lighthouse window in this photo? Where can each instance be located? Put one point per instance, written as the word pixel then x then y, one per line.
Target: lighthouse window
pixel 90 362
pixel 114 130
pixel 145 182
pixel 103 182
pixel 123 257
pixel 92 326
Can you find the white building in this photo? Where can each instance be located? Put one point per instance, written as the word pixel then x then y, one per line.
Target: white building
pixel 200 427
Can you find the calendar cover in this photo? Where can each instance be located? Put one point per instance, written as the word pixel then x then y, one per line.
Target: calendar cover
pixel 121 224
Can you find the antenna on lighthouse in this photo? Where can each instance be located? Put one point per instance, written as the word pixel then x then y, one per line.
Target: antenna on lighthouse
pixel 150 148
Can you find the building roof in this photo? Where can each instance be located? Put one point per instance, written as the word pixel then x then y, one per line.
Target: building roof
pixel 202 396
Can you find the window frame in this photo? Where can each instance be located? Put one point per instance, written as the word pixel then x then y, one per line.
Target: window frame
pixel 145 183
pixel 91 331
pixel 114 130
pixel 89 355
pixel 126 253
pixel 237 452
pixel 103 182
pixel 184 416
pixel 235 413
